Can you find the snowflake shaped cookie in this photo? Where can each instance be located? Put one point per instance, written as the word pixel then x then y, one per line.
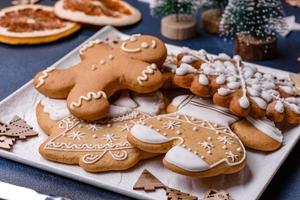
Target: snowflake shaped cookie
pixel 241 87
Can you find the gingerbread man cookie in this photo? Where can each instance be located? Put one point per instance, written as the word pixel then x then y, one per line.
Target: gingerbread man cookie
pixel 100 146
pixel 132 64
pixel 194 146
pixel 241 87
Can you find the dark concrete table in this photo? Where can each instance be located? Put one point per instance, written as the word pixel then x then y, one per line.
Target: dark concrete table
pixel 19 64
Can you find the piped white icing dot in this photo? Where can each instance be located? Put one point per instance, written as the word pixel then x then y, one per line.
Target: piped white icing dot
pixel 178 132
pixel 110 57
pixel 102 62
pixel 233 85
pixel 295 108
pixel 188 59
pixel 224 56
pixel 279 107
pixel 185 69
pixel 195 128
pixel 266 96
pixel 287 89
pixel 209 138
pixel 144 45
pixel 231 79
pixel 203 80
pixel 260 102
pixel 253 92
pixel 220 79
pixel 239 149
pixel 224 91
pixel 93 67
pixel 108 125
pixel 244 102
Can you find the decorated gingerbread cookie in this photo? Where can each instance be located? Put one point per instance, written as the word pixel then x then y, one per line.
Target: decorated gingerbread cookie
pixel 241 87
pixel 132 64
pixel 99 146
pixel 194 146
pixel 258 134
pixel 98 12
pixel 32 24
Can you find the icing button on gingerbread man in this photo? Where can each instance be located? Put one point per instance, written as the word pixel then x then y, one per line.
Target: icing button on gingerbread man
pixel 131 64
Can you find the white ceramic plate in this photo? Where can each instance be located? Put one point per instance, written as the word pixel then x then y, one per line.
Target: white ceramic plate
pixel 247 185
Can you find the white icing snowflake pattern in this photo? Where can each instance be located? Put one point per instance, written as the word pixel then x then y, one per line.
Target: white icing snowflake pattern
pixel 76 135
pixel 125 127
pixel 93 127
pixel 171 125
pixel 233 157
pixel 224 140
pixel 206 145
pixel 260 88
pixel 110 137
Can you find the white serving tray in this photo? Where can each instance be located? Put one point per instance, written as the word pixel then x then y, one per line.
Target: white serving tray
pixel 247 185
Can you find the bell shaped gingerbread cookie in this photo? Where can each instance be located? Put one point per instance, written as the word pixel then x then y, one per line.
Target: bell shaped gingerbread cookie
pixel 194 146
pixel 239 86
pixel 132 64
pixel 99 146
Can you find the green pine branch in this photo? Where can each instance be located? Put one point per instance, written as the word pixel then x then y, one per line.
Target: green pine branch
pixel 169 7
pixel 214 4
pixel 259 18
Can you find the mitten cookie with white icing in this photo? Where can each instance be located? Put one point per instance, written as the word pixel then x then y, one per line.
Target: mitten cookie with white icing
pixel 194 146
pixel 100 146
pixel 258 134
pixel 241 87
pixel 132 64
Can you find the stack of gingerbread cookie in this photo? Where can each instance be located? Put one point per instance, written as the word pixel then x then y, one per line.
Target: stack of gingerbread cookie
pixel 107 113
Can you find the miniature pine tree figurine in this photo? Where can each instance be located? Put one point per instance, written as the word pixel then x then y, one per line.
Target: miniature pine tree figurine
pixel 211 15
pixel 254 24
pixel 178 23
pixel 173 194
pixel 148 182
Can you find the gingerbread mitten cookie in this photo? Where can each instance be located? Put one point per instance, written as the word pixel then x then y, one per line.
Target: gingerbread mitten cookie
pixel 100 146
pixel 258 134
pixel 132 64
pixel 194 146
pixel 241 87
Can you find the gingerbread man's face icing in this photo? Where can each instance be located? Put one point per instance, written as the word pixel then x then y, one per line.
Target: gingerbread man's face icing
pixel 144 48
pixel 103 71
